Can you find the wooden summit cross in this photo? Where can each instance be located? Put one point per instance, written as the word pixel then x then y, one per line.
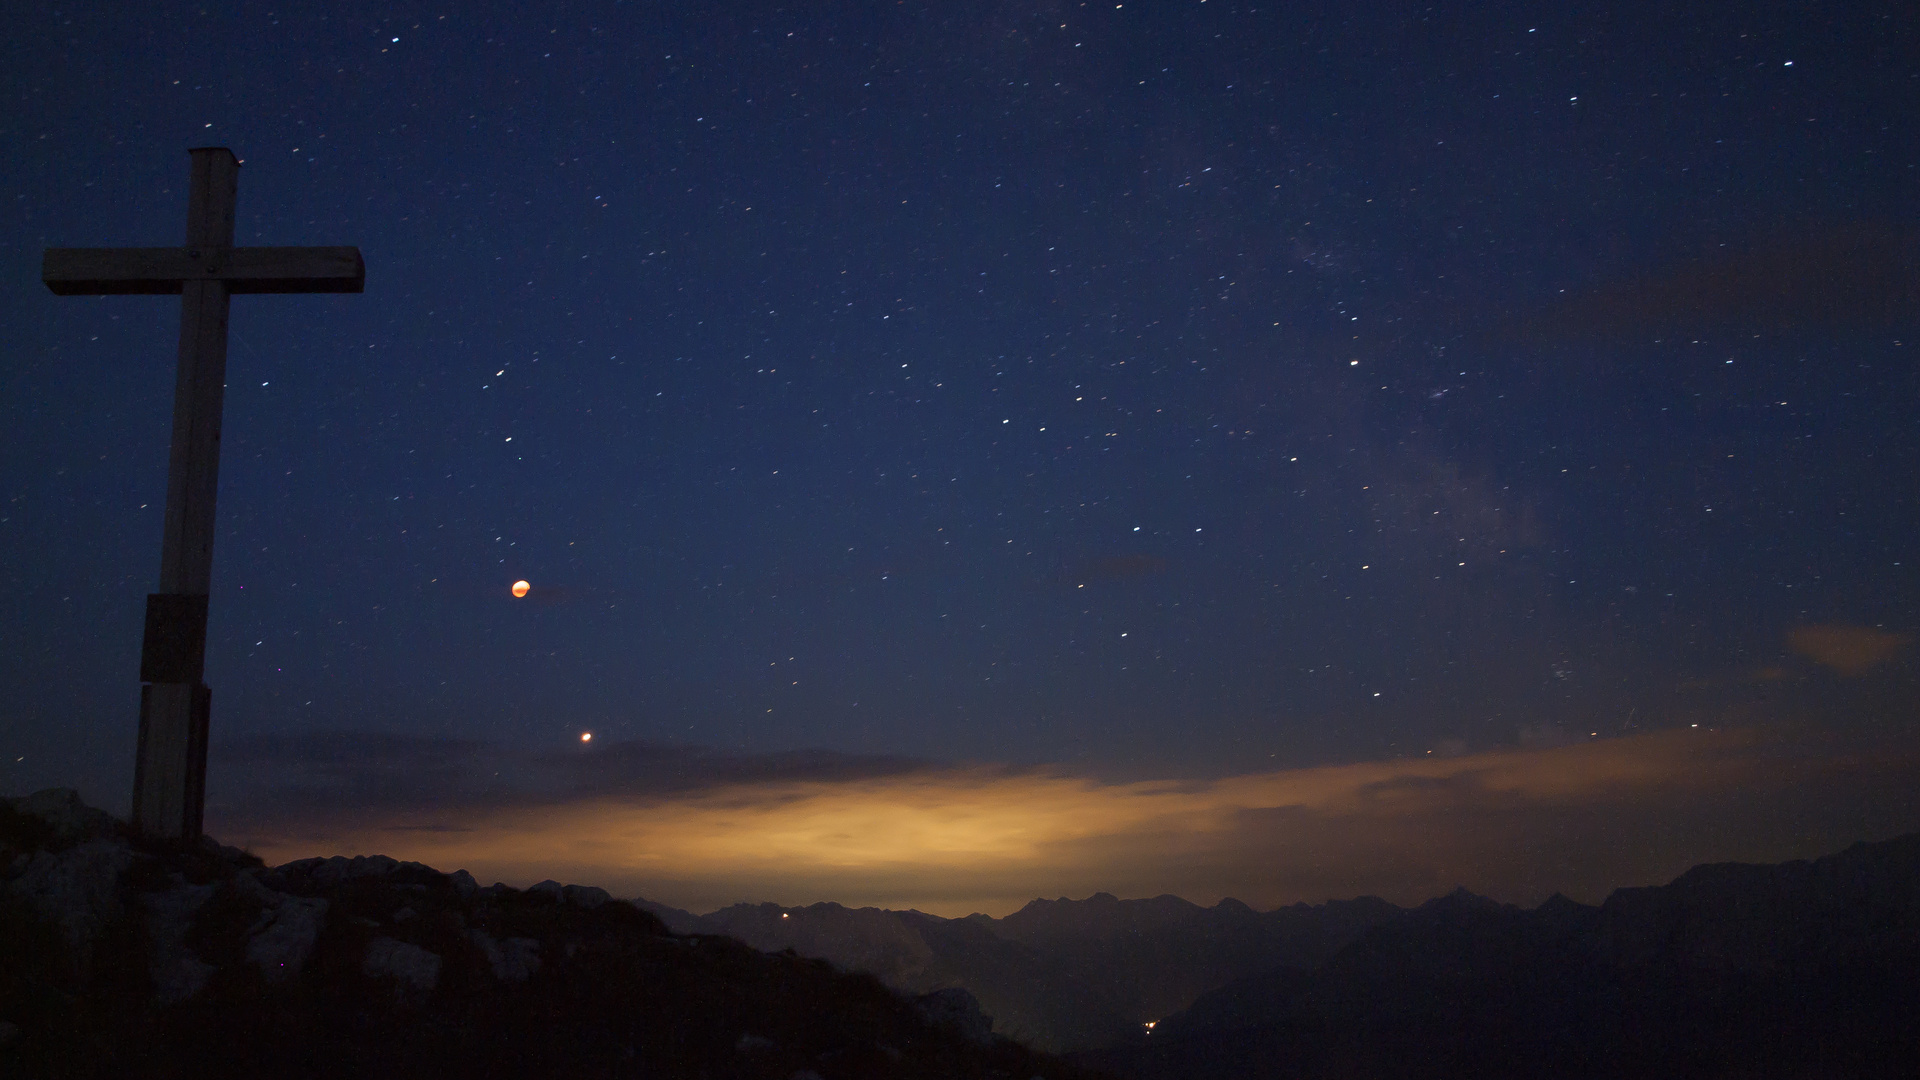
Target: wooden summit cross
pixel 170 774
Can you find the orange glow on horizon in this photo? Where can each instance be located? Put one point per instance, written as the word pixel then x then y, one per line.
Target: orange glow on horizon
pixel 954 841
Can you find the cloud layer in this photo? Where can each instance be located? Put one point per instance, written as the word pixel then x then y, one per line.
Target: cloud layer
pixel 700 828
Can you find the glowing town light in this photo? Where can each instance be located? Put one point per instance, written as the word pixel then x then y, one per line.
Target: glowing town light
pixel 521 588
pixel 586 736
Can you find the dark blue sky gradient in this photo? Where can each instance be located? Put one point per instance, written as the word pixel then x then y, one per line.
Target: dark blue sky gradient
pixel 1167 388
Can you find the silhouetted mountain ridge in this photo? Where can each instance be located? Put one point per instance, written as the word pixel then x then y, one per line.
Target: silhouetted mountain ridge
pixel 1801 968
pixel 1753 917
pixel 1083 974
pixel 1059 974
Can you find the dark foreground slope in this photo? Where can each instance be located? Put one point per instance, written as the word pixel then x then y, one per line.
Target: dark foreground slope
pixel 1806 969
pixel 124 958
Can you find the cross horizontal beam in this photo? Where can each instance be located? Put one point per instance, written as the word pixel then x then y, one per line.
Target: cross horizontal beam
pixel 170 772
pixel 158 271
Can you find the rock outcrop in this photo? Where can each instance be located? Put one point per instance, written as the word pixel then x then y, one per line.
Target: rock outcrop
pixel 76 889
pixel 412 969
pixel 123 956
pixel 178 972
pixel 513 960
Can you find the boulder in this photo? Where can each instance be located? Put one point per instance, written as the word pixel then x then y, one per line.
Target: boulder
pixel 319 875
pixel 78 889
pixel 282 937
pixel 178 973
pixel 413 969
pixel 586 896
pixel 71 819
pixel 512 960
pixel 754 1044
pixel 463 884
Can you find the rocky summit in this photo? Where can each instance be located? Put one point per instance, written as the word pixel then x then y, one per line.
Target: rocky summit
pixel 121 956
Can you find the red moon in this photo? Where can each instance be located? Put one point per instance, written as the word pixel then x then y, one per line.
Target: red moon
pixel 521 588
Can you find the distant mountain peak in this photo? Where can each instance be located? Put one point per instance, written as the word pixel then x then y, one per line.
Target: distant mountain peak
pixel 1560 902
pixel 1461 900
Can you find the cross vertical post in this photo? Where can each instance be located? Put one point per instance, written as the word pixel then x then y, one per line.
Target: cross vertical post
pixel 170 771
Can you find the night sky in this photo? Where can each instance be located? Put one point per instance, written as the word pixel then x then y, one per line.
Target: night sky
pixel 969 452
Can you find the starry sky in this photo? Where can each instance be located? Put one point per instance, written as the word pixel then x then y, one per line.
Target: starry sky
pixel 969 452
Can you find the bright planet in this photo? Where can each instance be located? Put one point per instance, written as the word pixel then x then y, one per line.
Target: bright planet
pixel 521 588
